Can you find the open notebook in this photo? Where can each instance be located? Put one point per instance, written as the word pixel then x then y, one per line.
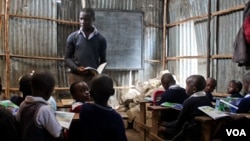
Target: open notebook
pixel 227 104
pixel 64 118
pixel 213 113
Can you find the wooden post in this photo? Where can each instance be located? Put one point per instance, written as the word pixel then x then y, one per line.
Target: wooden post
pixel 208 38
pixel 164 51
pixel 6 47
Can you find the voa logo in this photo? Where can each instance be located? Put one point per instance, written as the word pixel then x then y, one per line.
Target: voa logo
pixel 236 132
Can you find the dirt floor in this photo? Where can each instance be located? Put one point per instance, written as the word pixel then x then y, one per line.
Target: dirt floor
pixel 132 135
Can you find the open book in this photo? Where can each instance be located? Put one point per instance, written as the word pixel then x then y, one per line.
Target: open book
pixel 213 113
pixel 64 118
pixel 176 106
pixel 98 70
pixel 227 104
pixel 10 105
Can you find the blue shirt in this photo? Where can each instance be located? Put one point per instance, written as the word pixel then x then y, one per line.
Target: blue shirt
pixel 244 105
pixel 101 123
pixel 85 52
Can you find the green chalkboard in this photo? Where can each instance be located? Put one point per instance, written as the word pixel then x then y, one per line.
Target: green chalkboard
pixel 124 34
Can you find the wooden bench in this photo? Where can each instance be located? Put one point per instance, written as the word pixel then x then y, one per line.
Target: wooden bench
pixel 209 126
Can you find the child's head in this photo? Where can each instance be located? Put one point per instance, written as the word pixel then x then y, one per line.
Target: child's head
pixel 195 83
pixel 101 88
pixel 42 84
pixel 211 84
pixel 25 85
pixel 167 80
pixel 234 87
pixel 80 91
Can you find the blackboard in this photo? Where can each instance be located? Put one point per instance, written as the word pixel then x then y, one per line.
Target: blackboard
pixel 124 34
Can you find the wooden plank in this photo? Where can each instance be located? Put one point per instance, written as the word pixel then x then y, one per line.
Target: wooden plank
pixel 143 119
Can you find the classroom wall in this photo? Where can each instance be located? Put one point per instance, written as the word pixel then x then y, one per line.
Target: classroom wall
pixel 36 31
pixel 187 37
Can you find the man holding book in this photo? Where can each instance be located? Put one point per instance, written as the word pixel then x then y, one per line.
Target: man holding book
pixel 85 48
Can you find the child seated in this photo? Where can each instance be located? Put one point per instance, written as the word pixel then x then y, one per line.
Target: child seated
pixel 211 84
pixel 195 85
pixel 37 120
pixel 80 93
pixel 174 94
pixel 244 105
pixel 24 87
pixel 98 120
pixel 234 88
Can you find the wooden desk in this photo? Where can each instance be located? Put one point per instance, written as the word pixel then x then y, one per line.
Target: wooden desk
pixel 206 126
pixel 209 126
pixel 156 110
pixel 142 124
pixel 60 105
pixel 123 115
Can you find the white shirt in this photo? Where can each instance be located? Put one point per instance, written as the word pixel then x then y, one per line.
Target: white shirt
pixel 45 117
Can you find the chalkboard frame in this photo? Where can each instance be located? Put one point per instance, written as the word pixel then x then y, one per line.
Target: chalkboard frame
pixel 136 51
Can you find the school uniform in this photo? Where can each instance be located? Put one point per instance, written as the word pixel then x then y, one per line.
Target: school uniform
pixel 101 123
pixel 244 105
pixel 76 107
pixel 74 132
pixel 188 112
pixel 174 94
pixel 237 95
pixel 37 120
pixel 210 96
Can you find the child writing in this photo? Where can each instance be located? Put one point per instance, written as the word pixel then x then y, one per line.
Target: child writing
pixel 99 121
pixel 37 120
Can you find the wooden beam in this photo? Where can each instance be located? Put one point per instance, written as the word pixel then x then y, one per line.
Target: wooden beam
pixel 205 16
pixel 164 48
pixel 208 38
pixel 6 47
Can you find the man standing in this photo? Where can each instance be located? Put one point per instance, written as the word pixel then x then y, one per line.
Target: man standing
pixel 85 48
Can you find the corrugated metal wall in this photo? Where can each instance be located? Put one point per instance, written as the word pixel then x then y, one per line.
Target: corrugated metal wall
pixel 182 42
pixel 152 48
pixel 32 37
pixel 37 39
pixel 2 50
